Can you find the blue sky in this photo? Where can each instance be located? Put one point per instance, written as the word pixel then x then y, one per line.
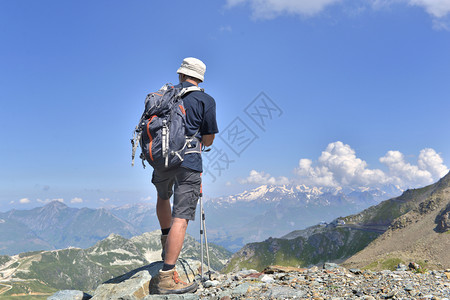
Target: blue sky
pixel 321 92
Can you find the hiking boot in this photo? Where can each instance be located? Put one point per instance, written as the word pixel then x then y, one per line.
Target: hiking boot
pixel 163 245
pixel 168 282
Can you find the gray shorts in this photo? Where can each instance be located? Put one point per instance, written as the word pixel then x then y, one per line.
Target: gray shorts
pixel 184 184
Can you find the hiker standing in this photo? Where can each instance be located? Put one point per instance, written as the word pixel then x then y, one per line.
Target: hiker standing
pixel 183 181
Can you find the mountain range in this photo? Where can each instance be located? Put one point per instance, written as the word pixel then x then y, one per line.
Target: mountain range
pixel 85 269
pixel 414 226
pixel 56 226
pixel 232 221
pixel 422 234
pixel 277 210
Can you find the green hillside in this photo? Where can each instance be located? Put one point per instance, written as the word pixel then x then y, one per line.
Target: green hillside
pixel 85 269
pixel 331 242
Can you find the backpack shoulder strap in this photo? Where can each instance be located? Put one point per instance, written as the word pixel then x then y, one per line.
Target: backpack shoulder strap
pixel 186 90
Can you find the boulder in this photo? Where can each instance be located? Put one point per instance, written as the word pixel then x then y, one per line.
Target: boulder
pixel 443 220
pixel 134 288
pixel 69 295
pixel 134 285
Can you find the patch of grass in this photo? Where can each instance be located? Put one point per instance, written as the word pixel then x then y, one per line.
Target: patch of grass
pixel 25 297
pixel 4 259
pixel 335 244
pixel 25 254
pixel 384 264
pixel 333 287
pixel 28 288
pixel 421 270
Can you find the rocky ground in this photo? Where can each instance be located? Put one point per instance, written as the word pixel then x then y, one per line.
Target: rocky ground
pixel 331 282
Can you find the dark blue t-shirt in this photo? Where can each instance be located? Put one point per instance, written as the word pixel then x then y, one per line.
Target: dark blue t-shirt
pixel 200 117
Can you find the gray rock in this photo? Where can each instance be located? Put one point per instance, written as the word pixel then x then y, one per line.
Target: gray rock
pixel 210 283
pixel 390 295
pixel 443 220
pixel 246 272
pixel 282 292
pixel 266 278
pixel 69 295
pixel 173 297
pixel 414 266
pixel 240 290
pixel 134 288
pixel 401 267
pixel 237 278
pixel 330 266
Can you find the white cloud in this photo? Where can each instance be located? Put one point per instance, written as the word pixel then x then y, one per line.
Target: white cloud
pixel 76 200
pixel 339 166
pixel 226 28
pixel 436 8
pixel 400 171
pixel 148 198
pixel 429 168
pixel 315 176
pixel 268 9
pixel 441 24
pixel 104 200
pixel 263 178
pixel 50 200
pixel 432 162
pixel 24 201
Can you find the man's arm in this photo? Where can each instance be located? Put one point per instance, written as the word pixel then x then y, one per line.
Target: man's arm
pixel 208 139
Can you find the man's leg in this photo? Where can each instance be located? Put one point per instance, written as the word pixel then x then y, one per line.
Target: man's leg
pixel 163 182
pixel 164 212
pixel 186 192
pixel 175 240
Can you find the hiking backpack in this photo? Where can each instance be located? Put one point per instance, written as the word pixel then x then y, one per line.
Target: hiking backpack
pixel 161 131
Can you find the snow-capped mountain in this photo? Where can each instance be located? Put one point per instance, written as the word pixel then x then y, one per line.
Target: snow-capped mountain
pixel 232 221
pixel 270 193
pixel 274 193
pixel 271 210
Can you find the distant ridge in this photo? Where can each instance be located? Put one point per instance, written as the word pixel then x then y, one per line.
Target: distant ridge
pixel 233 221
pixel 346 236
pixel 422 234
pixel 57 226
pixel 85 269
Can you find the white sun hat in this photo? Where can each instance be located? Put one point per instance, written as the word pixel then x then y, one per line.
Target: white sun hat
pixel 193 67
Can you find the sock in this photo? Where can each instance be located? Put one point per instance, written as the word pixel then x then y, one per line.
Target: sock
pixel 167 267
pixel 165 231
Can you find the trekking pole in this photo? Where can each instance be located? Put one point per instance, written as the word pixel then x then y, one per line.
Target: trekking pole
pixel 203 236
pixel 201 231
pixel 206 242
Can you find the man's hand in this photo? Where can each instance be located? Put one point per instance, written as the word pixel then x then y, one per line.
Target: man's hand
pixel 208 139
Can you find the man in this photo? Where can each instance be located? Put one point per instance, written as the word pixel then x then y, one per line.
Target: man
pixel 183 182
